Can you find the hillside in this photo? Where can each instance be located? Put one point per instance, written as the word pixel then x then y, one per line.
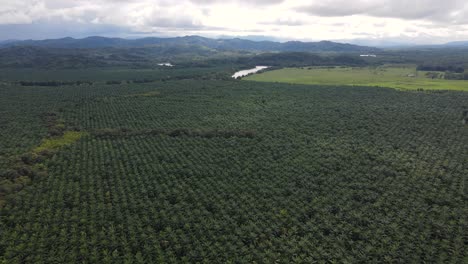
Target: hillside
pixel 46 57
pixel 218 44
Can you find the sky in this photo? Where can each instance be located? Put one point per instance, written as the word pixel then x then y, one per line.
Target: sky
pixel 367 21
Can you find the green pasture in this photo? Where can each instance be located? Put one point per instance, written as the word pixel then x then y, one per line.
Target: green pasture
pixel 399 77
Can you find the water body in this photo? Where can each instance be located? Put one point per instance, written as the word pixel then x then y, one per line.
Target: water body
pixel 247 72
pixel 167 64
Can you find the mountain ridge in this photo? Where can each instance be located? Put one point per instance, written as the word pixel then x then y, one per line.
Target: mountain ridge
pixel 238 44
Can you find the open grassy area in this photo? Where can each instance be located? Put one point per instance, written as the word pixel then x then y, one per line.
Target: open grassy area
pixel 68 138
pixel 401 77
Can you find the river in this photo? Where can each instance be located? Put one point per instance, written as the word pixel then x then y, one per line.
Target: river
pixel 247 72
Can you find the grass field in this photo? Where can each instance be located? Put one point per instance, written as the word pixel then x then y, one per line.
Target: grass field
pixel 385 76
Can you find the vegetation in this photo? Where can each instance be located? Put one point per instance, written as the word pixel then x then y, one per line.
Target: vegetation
pixel 53 83
pixel 196 52
pixel 51 144
pixel 224 171
pixel 456 76
pixel 297 59
pixel 393 76
pixel 195 44
pixel 440 68
pixel 149 57
pixel 111 76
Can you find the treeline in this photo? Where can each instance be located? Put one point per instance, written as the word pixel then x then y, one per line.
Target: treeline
pixel 222 75
pixel 284 59
pixel 180 132
pixel 447 75
pixel 456 76
pixel 215 75
pixel 441 68
pixel 449 72
pixel 53 83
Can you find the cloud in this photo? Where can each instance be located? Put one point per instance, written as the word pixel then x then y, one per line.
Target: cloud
pixel 244 2
pixel 281 19
pixel 285 22
pixel 13 17
pixel 58 29
pixel 447 11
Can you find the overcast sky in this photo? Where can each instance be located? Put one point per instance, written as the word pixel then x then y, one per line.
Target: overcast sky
pixel 417 21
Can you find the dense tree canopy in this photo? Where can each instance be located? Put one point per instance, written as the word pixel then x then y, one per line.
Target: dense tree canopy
pixel 217 171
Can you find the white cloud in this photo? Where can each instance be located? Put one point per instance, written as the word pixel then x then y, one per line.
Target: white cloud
pixel 284 19
pixel 13 17
pixel 436 10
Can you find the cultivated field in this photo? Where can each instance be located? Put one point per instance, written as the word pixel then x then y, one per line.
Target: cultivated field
pixel 399 77
pixel 225 171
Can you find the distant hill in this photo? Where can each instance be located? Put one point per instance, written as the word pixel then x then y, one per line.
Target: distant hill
pixel 217 44
pixel 457 44
pixel 8 41
pixel 46 57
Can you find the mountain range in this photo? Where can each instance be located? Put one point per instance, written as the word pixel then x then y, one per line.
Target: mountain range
pixel 235 44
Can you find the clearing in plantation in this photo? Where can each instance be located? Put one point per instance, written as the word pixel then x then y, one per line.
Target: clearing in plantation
pixel 399 77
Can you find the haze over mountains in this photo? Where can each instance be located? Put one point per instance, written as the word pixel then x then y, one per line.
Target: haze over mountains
pixel 222 44
pixel 218 44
